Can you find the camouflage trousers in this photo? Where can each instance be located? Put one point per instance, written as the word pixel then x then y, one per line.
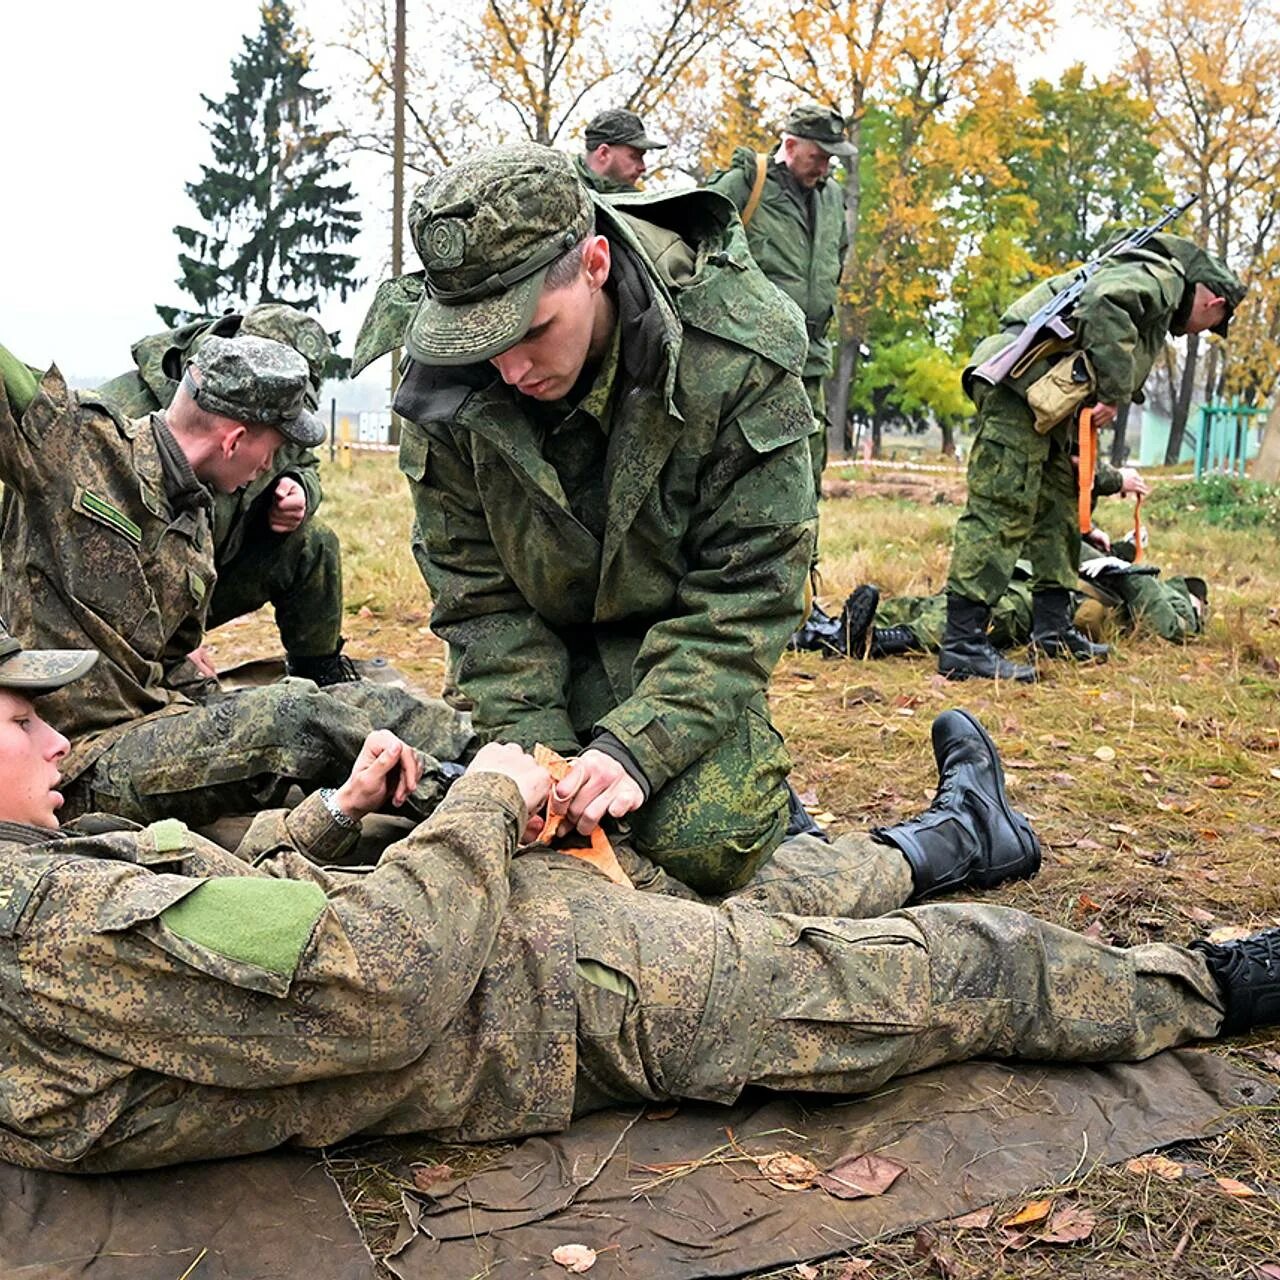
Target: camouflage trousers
pixel 802 983
pixel 241 752
pixel 1021 503
pixel 815 389
pixel 299 574
pixel 927 617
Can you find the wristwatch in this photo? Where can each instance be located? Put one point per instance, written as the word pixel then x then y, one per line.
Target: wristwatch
pixel 330 797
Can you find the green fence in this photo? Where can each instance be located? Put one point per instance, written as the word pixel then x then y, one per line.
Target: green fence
pixel 1223 445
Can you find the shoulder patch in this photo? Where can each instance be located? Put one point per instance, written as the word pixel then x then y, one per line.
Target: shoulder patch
pixel 97 508
pixel 169 835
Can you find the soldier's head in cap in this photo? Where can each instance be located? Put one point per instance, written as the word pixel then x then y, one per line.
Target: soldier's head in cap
pixel 811 135
pixel 31 750
pixel 515 271
pixel 239 400
pixel 616 141
pixel 305 334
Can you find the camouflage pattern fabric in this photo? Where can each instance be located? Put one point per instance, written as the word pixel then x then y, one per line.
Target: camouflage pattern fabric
pixel 259 381
pixel 1149 603
pixel 798 238
pixel 815 389
pixel 458 992
pixel 662 633
pixel 927 617
pixel 241 752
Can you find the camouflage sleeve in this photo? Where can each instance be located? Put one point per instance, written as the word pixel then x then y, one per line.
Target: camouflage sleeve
pixel 1109 315
pixel 749 552
pixel 505 658
pixel 732 183
pixel 23 434
pixel 1107 479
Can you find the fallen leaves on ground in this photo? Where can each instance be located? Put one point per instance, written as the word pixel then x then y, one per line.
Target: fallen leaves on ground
pixel 1068 1224
pixel 978 1220
pixel 788 1171
pixel 661 1113
pixel 1032 1211
pixel 1269 1270
pixel 575 1258
pixel 1160 1166
pixel 1238 1189
pixel 851 1268
pixel 1105 754
pixel 858 1176
pixel 426 1176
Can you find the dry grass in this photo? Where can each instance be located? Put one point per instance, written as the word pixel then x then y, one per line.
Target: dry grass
pixel 1182 821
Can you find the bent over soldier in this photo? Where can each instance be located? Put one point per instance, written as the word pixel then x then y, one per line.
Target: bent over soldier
pixel 607 444
pixel 268 546
pixel 210 1005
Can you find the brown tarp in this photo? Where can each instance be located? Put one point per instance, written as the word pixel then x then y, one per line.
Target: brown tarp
pixel 968 1134
pixel 276 1217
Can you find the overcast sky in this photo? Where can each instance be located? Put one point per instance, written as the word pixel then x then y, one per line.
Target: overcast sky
pixel 103 125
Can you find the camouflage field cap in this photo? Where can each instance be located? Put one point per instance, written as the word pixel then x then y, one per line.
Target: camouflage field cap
pixel 305 334
pixel 34 671
pixel 620 128
pixel 256 381
pixel 820 125
pixel 487 230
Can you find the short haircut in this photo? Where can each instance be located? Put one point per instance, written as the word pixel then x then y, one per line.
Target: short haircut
pixel 568 266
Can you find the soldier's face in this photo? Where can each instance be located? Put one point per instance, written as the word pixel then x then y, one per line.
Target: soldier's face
pixel 30 752
pixel 243 454
pixel 808 163
pixel 568 326
pixel 620 162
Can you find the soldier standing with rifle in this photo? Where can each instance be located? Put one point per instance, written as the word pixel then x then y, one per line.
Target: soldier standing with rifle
pixel 1088 337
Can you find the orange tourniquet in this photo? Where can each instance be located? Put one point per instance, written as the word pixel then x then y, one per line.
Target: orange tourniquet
pixel 1137 529
pixel 600 854
pixel 1087 444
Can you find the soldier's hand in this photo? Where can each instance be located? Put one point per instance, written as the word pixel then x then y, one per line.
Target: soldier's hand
pixel 202 660
pixel 385 768
pixel 1098 538
pixel 1103 415
pixel 1133 482
pixel 517 764
pixel 596 785
pixel 288 506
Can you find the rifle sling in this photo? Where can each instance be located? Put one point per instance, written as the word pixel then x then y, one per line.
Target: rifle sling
pixel 757 187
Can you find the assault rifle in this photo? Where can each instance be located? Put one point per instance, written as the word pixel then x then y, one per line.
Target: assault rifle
pixel 1051 318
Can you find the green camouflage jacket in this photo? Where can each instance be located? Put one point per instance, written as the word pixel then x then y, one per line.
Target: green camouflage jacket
pixel 151 386
pixel 798 239
pixel 598 182
pixel 661 633
pixel 97 557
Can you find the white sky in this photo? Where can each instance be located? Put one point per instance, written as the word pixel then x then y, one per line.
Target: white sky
pixel 102 129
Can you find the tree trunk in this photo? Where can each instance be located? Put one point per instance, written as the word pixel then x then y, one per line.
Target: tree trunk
pixel 1266 466
pixel 948 439
pixel 1182 402
pixel 1119 450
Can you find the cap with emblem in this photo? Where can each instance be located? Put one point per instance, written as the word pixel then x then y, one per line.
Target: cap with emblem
pixel 620 128
pixel 487 230
pixel 256 381
pixel 36 671
pixel 304 333
pixel 820 125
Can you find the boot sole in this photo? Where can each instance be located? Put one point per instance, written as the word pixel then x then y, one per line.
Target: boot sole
pixel 956 674
pixel 1016 820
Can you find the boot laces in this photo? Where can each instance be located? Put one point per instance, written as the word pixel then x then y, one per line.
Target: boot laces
pixel 1261 951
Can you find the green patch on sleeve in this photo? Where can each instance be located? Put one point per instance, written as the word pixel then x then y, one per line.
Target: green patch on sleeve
pixel 251 920
pixel 169 835
pixel 100 509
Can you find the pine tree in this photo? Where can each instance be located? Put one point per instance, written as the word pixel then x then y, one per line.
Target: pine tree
pixel 274 217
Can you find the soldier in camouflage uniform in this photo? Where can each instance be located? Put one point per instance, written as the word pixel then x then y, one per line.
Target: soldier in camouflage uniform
pixel 1022 483
pixel 616 141
pixel 798 236
pixel 268 547
pixel 606 442
pixel 107 545
pixel 210 1004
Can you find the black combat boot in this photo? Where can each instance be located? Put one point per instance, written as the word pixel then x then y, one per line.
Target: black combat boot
pixel 967 651
pixel 1248 973
pixel 889 642
pixel 968 836
pixel 820 632
pixel 1055 635
pixel 855 620
pixel 799 821
pixel 333 668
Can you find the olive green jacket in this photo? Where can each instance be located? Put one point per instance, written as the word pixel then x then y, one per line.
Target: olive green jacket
pixel 598 182
pixel 151 386
pixel 664 631
pixel 798 239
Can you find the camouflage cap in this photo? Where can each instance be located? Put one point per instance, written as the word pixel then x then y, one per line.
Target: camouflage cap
pixel 35 671
pixel 305 334
pixel 620 128
pixel 487 230
pixel 820 125
pixel 258 382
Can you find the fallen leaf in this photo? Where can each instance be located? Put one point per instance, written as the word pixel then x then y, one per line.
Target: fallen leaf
pixel 661 1113
pixel 1267 1057
pixel 576 1258
pixel 1085 843
pixel 1096 932
pixel 787 1171
pixel 1160 1166
pixel 1086 905
pixel 1275 773
pixel 808 798
pixel 1269 1270
pixel 1218 781
pixel 364 612
pixel 1032 1211
pixel 1119 826
pixel 858 1176
pixel 806 1272
pixel 852 1267
pixel 823 818
pixel 1237 1189
pixel 1105 754
pixel 426 1176
pixel 1229 933
pixel 1020 764
pixel 1069 1225
pixel 1062 779
pixel 975 1221
pixel 1198 915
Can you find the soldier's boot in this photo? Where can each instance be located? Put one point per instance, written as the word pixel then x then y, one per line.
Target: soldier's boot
pixel 799 821
pixel 820 631
pixel 331 668
pixel 969 836
pixel 967 649
pixel 1053 633
pixel 889 642
pixel 1248 973
pixel 856 619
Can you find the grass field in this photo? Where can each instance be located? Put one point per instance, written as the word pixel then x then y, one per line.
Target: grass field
pixel 1154 782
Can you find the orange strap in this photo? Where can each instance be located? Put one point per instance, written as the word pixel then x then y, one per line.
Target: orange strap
pixel 757 187
pixel 600 855
pixel 1137 528
pixel 1087 446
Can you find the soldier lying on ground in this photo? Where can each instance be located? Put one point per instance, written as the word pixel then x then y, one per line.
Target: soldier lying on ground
pixel 106 545
pixel 268 547
pixel 205 1005
pixel 1113 592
